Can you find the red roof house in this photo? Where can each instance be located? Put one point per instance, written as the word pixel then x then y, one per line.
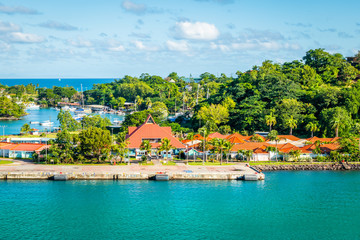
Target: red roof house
pixel 152 132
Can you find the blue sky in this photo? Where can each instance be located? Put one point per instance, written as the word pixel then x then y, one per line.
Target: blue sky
pixel 45 39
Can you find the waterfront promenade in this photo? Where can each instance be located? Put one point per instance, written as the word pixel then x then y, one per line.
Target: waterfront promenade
pixel 27 170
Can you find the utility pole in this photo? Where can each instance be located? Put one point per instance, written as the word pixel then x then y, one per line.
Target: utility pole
pixel 197 94
pixel 82 96
pixel 183 101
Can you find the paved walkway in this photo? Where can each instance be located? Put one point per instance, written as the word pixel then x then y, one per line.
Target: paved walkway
pixel 28 166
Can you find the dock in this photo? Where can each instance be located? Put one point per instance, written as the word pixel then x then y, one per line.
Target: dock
pixel 132 172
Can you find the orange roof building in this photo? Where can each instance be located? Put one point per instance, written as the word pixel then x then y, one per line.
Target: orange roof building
pixel 152 132
pixel 21 150
pixel 216 135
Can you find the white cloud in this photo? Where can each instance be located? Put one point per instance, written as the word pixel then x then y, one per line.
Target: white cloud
pixel 16 10
pixel 140 45
pixel 133 7
pixel 80 43
pixel 58 26
pixel 181 46
pixel 118 48
pixel 196 30
pixel 9 27
pixel 19 37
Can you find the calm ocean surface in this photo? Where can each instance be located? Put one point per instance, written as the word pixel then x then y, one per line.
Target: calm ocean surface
pixel 287 205
pixel 13 127
pixel 87 83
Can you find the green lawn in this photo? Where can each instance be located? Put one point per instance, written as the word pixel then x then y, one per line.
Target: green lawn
pixel 5 162
pixel 169 163
pixel 209 163
pixel 146 164
pixel 288 163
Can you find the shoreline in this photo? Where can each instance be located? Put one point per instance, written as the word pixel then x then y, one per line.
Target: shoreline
pixel 310 167
pixel 9 118
pixel 29 171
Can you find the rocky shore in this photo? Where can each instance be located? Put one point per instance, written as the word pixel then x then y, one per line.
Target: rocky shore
pixel 9 118
pixel 309 167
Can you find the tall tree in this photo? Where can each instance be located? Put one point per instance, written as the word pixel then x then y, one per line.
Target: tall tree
pixel 291 123
pixel 165 145
pixel 273 136
pixel 270 120
pixel 95 143
pixel 146 145
pixel 67 122
pixel 25 128
pixel 312 127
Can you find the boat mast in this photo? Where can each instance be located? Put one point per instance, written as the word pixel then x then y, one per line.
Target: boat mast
pixel 82 96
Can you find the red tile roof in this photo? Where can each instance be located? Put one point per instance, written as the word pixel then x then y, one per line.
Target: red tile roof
pixel 216 135
pixel 289 137
pixel 150 130
pixel 250 146
pixel 314 139
pixel 235 140
pixel 25 147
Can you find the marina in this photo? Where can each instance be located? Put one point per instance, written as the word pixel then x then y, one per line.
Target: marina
pixel 43 119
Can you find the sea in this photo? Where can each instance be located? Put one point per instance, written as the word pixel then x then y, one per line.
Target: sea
pixel 48 114
pixel 287 205
pixel 87 83
pixel 8 127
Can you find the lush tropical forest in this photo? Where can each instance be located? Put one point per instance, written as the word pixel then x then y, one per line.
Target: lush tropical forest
pixel 318 94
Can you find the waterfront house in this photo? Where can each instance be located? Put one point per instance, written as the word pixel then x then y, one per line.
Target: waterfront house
pixel 21 150
pixel 152 132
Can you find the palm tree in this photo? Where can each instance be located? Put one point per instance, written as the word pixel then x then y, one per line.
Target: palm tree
pixel 295 153
pixel 227 149
pixel 291 123
pixel 221 146
pixel 335 122
pixel 270 120
pixel 148 102
pixel 256 138
pixel 273 136
pixel 25 128
pixel 312 127
pixel 248 154
pixel 166 146
pixel 317 149
pixel 204 144
pixel 121 149
pixel 138 101
pixel 270 149
pixel 242 153
pixel 215 147
pixel 146 145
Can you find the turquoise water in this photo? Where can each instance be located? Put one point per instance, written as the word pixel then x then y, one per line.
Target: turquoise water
pixel 87 83
pixel 288 205
pixel 13 127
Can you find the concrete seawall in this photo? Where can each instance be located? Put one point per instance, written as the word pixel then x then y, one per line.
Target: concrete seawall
pixel 120 176
pixel 309 167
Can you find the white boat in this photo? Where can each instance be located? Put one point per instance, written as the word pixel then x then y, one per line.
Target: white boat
pixel 47 123
pixel 34 122
pixel 117 121
pixel 32 106
pixel 65 108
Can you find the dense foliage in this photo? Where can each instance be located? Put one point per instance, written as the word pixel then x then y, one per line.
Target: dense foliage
pixel 9 108
pixel 318 94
